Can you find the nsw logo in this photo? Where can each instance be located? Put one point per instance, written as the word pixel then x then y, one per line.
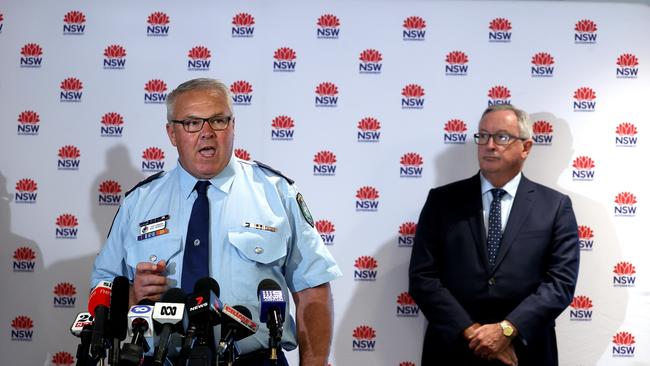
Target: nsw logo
pixel 74 23
pixel 585 100
pixel 28 123
pixel 626 135
pixel 367 199
pixel 325 163
pixel 31 55
pixel 284 60
pixel 456 63
pixel 68 158
pixel 370 62
pixel 114 57
pixel 327 95
pixel 242 92
pixel 155 92
pixel 583 169
pixel 327 27
pixel 412 96
pixel 625 204
pixel 368 130
pixel 282 129
pixel 586 238
pixel 243 26
pixel 406 306
pixel 71 90
pixel 199 59
pixel 26 191
pixel 623 345
pixel 500 30
pixel 363 338
pixel 410 165
pixel 64 295
pixel 158 24
pixel 624 275
pixel 406 234
pixel 111 125
pixel 455 132
pixel 66 226
pixel 498 94
pixel 22 328
pixel 414 29
pixel 153 159
pixel 627 66
pixel 542 133
pixel 242 154
pixel 585 32
pixel 110 193
pixel 580 309
pixel 326 230
pixel 62 359
pixel 24 259
pixel 542 65
pixel 365 268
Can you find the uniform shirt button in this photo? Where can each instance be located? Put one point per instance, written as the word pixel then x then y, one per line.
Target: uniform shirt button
pixel 153 258
pixel 492 281
pixel 259 250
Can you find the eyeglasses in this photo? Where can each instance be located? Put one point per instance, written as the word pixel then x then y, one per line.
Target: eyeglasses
pixel 500 138
pixel 217 123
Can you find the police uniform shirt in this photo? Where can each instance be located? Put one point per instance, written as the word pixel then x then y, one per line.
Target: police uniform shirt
pixel 258 231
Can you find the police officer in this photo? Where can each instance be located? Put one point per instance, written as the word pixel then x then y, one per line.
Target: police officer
pixel 259 227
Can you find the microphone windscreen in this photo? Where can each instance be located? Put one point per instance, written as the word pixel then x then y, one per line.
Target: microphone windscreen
pixel 244 310
pixel 119 307
pixel 101 295
pixel 267 284
pixel 207 284
pixel 175 295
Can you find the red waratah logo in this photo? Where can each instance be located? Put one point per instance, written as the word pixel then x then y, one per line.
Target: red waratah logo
pixel 112 119
pixel 328 26
pixel 405 299
pixel 282 128
pixel 364 332
pixel 69 152
pixel 31 50
pixel 542 62
pixel 625 204
pixel 410 165
pixel 626 134
pixel 627 66
pixel 199 53
pixel 71 84
pixel 624 269
pixel 114 51
pixel 65 289
pixel 366 262
pixel 542 132
pixel 499 94
pixel 455 126
pixel 155 91
pixel 581 302
pixel 24 254
pixel 585 31
pixel 585 232
pixel 406 306
pixel 368 130
pixel 623 342
pixel 367 57
pixel 326 230
pixel 153 153
pixel 22 322
pixel 74 17
pixel 158 24
pixel 583 162
pixel 243 20
pixel 411 159
pixel 158 18
pixel 414 29
pixel 66 220
pixel 324 163
pixel 26 185
pixel 413 96
pixel 623 338
pixel 242 154
pixel 284 59
pixel 367 193
pixel 456 58
pixel 500 30
pixel 110 187
pixel 241 92
pixel 326 94
pixel 28 123
pixel 584 93
pixel 407 229
pixel 282 122
pixel 62 359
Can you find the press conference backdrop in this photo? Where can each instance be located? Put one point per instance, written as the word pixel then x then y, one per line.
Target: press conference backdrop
pixel 366 105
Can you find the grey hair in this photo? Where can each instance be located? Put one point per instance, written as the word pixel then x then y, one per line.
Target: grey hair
pixel 213 85
pixel 523 120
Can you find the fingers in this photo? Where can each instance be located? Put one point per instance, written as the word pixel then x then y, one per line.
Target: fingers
pixel 150 281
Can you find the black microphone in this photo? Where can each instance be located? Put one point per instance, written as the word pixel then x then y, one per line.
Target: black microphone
pixel 98 306
pixel 118 316
pixel 272 311
pixel 140 319
pixel 168 317
pixel 83 327
pixel 236 325
pixel 203 309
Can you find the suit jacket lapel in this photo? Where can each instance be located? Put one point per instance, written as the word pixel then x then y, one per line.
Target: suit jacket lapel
pixel 521 207
pixel 477 227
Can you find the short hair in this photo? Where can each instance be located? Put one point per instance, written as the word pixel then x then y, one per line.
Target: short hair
pixel 197 84
pixel 523 120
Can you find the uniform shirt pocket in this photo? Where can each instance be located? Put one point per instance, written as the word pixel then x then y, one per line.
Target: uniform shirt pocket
pixel 152 250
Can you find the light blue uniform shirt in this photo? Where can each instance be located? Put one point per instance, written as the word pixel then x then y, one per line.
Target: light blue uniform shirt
pixel 258 231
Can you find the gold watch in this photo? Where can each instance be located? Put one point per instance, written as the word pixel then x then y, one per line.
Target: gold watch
pixel 508 330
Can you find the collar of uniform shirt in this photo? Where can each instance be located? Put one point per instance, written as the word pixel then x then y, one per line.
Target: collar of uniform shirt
pixel 223 181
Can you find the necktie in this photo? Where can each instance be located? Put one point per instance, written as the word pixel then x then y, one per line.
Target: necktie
pixel 494 225
pixel 197 242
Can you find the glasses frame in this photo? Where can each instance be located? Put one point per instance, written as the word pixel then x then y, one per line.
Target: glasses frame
pixel 210 120
pixel 511 138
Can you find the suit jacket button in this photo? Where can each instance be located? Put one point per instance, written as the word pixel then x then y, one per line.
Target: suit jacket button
pixel 492 281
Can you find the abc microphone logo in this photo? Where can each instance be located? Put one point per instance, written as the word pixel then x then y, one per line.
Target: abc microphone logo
pixel 168 310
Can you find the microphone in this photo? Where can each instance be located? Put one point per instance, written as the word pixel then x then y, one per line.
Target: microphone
pixel 168 316
pixel 272 311
pixel 118 316
pixel 203 308
pixel 140 318
pixel 98 306
pixel 83 327
pixel 236 325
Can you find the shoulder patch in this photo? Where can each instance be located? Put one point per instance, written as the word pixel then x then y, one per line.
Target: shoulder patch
pixel 145 181
pixel 277 172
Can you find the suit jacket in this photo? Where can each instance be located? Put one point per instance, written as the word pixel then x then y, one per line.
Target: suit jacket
pixel 531 283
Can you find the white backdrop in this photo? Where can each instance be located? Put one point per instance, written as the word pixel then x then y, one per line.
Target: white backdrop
pixel 366 105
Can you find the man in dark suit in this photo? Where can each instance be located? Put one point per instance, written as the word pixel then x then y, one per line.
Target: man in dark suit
pixel 495 258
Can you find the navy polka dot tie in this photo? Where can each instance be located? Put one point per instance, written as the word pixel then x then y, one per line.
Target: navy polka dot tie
pixel 197 242
pixel 494 225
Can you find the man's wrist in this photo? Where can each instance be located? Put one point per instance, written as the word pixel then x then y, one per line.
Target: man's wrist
pixel 509 330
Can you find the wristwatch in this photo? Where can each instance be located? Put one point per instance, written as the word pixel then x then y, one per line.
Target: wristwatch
pixel 507 328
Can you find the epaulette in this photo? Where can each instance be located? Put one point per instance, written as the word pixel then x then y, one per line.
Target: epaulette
pixel 266 167
pixel 145 181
